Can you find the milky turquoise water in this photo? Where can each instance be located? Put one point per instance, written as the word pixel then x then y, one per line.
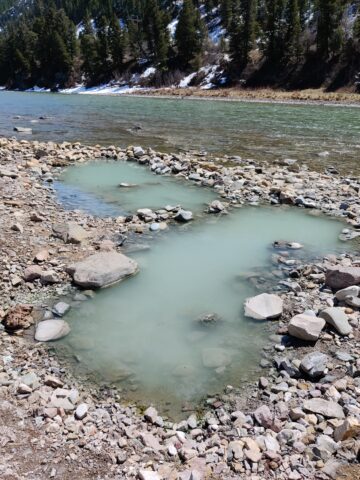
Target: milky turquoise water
pixel 143 334
pixel 95 188
pixel 252 130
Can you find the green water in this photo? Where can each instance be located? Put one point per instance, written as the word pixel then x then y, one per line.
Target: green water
pixel 146 327
pixel 94 187
pixel 252 130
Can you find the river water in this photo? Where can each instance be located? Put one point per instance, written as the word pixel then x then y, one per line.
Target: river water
pixel 317 135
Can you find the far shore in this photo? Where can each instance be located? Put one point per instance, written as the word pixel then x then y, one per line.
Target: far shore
pixel 261 95
pixel 309 96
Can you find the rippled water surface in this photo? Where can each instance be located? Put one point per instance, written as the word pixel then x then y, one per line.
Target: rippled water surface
pixel 251 130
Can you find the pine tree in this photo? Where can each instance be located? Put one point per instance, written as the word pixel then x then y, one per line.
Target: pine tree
pixel 157 33
pixel 89 51
pixel 293 32
pixel 103 46
pixel 274 29
pixel 356 32
pixel 226 8
pixel 116 44
pixel 189 35
pixel 329 33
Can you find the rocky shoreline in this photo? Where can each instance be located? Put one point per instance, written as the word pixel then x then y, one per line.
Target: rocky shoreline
pixel 300 420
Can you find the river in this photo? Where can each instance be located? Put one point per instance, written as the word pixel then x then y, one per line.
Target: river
pixel 319 135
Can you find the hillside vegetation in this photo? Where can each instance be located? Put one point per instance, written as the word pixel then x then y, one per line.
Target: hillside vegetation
pixel 289 44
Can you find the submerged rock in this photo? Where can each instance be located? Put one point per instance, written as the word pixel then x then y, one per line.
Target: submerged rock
pixel 264 306
pixel 215 357
pixel 306 327
pixel 50 330
pixel 102 269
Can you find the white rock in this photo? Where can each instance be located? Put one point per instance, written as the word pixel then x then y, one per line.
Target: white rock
pixel 264 306
pixel 49 330
pixel 306 327
pixel 81 411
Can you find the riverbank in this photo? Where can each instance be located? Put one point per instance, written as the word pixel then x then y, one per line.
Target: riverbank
pixel 310 96
pixel 281 429
pixel 259 95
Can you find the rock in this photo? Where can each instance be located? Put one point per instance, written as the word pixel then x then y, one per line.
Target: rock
pixel 352 301
pixel 263 416
pixel 70 232
pixel 49 277
pixel 342 277
pixel 23 389
pixel 50 330
pixel 18 317
pixel 41 256
pixel 252 452
pixel 306 327
pixel 103 269
pixel 264 307
pixel 349 429
pixel 31 380
pixel 36 217
pixel 17 227
pixel 327 408
pixel 352 291
pixel 216 207
pixel 184 216
pixel 148 475
pixel 63 398
pixel 287 245
pixel 81 411
pixel 208 319
pixel 61 309
pixel 127 185
pixel 215 357
pixel 337 318
pixel 314 364
pixel 139 152
pixel 151 414
pixel 31 273
pixel 22 130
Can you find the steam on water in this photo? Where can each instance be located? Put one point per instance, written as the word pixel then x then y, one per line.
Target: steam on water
pixel 144 334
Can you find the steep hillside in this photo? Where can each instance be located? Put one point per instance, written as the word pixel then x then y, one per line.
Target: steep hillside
pixel 208 43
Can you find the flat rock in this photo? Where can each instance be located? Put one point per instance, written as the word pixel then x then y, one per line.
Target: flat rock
pixel 22 130
pixel 352 291
pixel 264 306
pixel 60 309
pixel 306 327
pixel 103 269
pixel 50 330
pixel 327 408
pixel 337 318
pixel 32 272
pixel 314 364
pixel 70 232
pixel 342 277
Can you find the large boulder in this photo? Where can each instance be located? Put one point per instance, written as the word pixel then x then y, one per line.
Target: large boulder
pixel 327 408
pixel 102 270
pixel 264 306
pixel 50 330
pixel 337 318
pixel 306 327
pixel 342 277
